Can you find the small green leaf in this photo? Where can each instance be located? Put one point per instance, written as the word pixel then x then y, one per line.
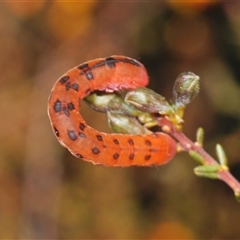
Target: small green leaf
pixel 208 171
pixel 200 136
pixel 196 156
pixel 221 155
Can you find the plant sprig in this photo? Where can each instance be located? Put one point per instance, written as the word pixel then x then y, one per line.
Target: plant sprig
pixel 141 109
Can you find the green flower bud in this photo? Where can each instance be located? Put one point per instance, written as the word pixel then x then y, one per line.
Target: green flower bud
pixel 99 102
pixel 147 100
pixel 120 123
pixel 186 88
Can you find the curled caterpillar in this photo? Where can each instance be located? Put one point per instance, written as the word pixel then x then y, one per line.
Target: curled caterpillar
pixel 105 74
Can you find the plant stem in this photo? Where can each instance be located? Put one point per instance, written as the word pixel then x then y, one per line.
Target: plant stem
pixel 186 145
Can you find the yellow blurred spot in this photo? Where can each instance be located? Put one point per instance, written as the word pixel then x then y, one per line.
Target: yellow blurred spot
pixel 68 19
pixel 171 230
pixel 25 8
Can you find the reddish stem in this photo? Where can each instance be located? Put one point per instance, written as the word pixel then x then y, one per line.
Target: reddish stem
pixel 187 145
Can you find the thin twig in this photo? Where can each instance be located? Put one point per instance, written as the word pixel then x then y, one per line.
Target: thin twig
pixel 186 144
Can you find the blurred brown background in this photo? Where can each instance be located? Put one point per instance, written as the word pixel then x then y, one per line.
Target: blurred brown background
pixel 47 193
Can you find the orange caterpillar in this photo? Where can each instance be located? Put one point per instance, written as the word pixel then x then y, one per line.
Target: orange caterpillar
pixel 105 74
